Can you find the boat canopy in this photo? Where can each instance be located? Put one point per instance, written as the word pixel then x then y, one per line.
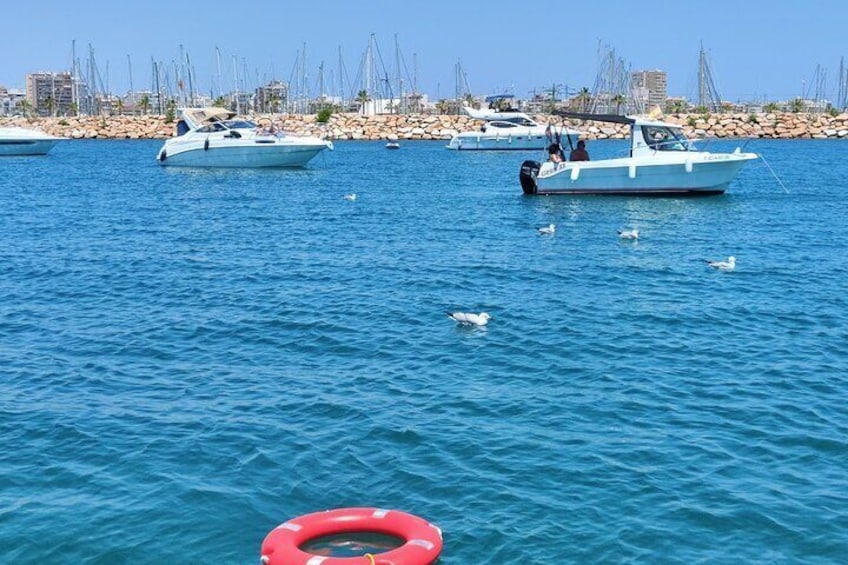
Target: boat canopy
pixel 199 117
pixel 614 118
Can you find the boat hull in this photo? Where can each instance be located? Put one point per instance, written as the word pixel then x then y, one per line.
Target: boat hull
pixel 486 142
pixel 706 175
pixel 240 156
pixel 20 141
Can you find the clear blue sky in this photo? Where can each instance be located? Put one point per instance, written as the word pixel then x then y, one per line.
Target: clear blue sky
pixel 758 48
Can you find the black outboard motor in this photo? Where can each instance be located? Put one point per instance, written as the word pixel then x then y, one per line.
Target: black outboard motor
pixel 529 172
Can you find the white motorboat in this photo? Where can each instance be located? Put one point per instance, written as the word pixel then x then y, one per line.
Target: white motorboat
pixel 661 161
pixel 212 137
pixel 506 131
pixel 21 141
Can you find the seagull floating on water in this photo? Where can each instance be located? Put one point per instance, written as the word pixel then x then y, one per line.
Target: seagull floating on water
pixel 727 265
pixel 628 234
pixel 550 229
pixel 466 319
pixel 350 196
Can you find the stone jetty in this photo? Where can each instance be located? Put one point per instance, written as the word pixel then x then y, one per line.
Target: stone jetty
pixel 442 127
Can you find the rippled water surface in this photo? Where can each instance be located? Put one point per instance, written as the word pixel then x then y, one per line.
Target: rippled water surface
pixel 191 357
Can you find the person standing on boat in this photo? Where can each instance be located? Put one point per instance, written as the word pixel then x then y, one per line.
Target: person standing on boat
pixel 579 153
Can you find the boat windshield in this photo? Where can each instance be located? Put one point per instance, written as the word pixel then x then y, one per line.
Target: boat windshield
pixel 519 121
pixel 214 126
pixel 239 124
pixel 664 138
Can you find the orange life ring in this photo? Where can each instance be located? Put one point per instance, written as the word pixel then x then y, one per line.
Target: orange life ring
pixel 423 541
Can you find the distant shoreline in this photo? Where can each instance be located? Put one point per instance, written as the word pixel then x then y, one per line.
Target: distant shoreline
pixel 442 127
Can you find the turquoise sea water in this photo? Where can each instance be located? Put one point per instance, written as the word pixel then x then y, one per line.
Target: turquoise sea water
pixel 189 358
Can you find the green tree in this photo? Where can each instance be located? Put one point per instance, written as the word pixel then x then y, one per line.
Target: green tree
pixel 170 111
pixel 362 98
pixel 796 106
pixel 26 108
pixel 583 99
pixel 675 106
pixel 119 105
pixel 442 106
pixel 324 115
pixel 771 107
pixel 618 100
pixel 145 103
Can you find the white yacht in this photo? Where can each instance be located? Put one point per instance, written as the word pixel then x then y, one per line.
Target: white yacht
pixel 661 161
pixel 507 130
pixel 21 141
pixel 213 137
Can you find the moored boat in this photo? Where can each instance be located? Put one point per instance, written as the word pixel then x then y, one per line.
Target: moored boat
pixel 661 161
pixel 507 131
pixel 213 137
pixel 21 141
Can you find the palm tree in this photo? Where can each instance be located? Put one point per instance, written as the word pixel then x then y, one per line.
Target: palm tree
pixel 442 106
pixel 26 107
pixel 119 105
pixel 796 106
pixel 771 107
pixel 583 99
pixel 363 98
pixel 675 106
pixel 145 103
pixel 618 100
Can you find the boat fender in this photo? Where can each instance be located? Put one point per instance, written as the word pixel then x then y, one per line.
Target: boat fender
pixel 688 165
pixel 631 171
pixel 163 155
pixel 206 145
pixel 509 139
pixel 575 174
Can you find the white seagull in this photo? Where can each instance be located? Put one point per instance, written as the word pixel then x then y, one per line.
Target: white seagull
pixel 628 234
pixel 466 319
pixel 726 266
pixel 350 197
pixel 550 229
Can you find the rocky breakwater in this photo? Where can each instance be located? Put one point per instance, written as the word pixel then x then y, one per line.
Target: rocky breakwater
pixel 98 127
pixel 765 126
pixel 439 127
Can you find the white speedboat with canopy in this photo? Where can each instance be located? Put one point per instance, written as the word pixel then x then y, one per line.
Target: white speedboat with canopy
pixel 661 161
pixel 214 137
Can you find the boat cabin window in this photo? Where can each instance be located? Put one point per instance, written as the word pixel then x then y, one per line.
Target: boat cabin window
pixel 503 124
pixel 213 127
pixel 664 138
pixel 182 127
pixel 519 121
pixel 239 124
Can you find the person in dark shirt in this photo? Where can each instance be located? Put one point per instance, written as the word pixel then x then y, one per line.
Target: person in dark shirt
pixel 579 153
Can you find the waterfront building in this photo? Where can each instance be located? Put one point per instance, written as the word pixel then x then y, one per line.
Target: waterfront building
pixel 650 87
pixel 11 101
pixel 51 94
pixel 272 97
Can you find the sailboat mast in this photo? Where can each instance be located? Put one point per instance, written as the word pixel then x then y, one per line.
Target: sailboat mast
pixel 132 92
pixel 235 82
